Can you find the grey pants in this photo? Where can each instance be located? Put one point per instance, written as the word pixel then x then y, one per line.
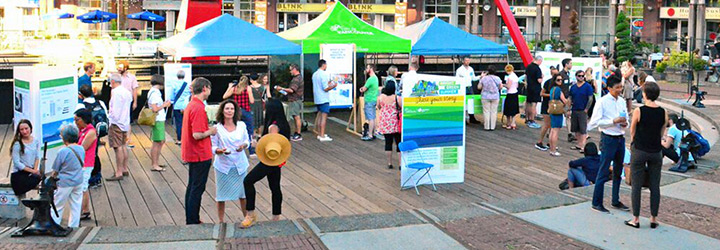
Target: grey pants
pixel 645 165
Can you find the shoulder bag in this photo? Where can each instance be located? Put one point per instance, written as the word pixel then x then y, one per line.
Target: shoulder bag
pixel 147 116
pixel 555 106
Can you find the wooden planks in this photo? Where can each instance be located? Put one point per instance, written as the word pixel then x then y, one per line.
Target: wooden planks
pixel 343 177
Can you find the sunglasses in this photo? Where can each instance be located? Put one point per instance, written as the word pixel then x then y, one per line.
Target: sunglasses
pixel 558 80
pixel 580 76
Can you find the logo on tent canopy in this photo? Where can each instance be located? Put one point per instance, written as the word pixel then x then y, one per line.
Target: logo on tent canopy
pixel 345 30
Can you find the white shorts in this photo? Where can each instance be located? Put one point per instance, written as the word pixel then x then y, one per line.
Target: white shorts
pixel 86 178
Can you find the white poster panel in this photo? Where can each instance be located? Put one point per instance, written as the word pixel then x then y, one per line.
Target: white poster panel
pixel 46 96
pixel 433 110
pixel 583 63
pixel 171 81
pixel 340 60
pixel 551 59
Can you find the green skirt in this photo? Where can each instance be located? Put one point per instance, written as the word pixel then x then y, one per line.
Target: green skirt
pixel 158 131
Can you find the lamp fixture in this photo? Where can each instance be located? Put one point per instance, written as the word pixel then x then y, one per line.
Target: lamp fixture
pixel 567 7
pixel 650 8
pixel 486 5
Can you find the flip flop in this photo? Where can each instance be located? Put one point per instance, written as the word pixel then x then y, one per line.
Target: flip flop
pixel 85 216
pixel 158 170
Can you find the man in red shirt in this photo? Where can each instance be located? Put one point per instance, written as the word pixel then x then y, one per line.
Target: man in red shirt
pixel 196 148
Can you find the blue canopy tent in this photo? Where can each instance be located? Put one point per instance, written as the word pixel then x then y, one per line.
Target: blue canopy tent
pixel 227 35
pixel 96 16
pixel 430 37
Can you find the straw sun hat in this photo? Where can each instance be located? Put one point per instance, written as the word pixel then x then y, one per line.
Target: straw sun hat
pixel 273 149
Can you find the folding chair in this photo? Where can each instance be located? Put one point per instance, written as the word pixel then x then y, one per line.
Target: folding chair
pixel 407 147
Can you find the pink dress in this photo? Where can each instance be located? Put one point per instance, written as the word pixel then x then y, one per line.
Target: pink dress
pixel 90 153
pixel 389 122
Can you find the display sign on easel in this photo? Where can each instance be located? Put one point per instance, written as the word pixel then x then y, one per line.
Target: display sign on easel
pixel 433 117
pixel 46 96
pixel 340 60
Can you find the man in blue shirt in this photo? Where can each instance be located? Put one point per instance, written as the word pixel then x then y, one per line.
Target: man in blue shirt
pixel 321 88
pixel 580 97
pixel 179 98
pixel 86 79
pixel 671 142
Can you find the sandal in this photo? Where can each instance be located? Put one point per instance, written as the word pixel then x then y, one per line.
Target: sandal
pixel 653 225
pixel 576 148
pixel 628 223
pixel 85 216
pixel 248 221
pixel 158 170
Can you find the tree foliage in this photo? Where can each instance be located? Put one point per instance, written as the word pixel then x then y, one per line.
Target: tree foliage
pixel 624 46
pixel 574 39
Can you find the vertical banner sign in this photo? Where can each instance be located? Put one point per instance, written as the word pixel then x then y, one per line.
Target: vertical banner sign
pixel 171 80
pixel 47 96
pixel 400 15
pixel 433 110
pixel 340 60
pixel 260 14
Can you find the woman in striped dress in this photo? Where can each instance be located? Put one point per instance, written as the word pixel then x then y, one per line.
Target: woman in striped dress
pixel 231 163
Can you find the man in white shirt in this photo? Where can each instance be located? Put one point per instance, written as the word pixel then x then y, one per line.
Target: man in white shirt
pixel 322 85
pixel 467 76
pixel 610 116
pixel 119 116
pixel 411 74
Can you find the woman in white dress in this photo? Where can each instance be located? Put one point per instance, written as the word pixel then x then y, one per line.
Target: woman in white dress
pixel 231 163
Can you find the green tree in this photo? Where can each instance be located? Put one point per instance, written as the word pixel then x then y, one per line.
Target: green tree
pixel 624 46
pixel 574 39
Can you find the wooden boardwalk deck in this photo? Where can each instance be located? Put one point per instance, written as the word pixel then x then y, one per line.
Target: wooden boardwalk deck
pixel 343 177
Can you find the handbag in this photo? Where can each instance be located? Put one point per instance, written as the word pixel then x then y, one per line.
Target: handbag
pixel 399 113
pixel 628 177
pixel 555 107
pixel 147 116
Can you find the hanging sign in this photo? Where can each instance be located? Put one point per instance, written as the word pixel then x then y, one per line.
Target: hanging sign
pixel 638 23
pixel 400 15
pixel 260 19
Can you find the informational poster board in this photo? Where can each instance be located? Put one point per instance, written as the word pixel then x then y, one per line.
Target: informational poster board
pixel 582 63
pixel 340 60
pixel 433 110
pixel 551 59
pixel 171 80
pixel 46 96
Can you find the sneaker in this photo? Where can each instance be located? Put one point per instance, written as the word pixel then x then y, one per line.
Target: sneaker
pixel 296 137
pixel 556 147
pixel 380 136
pixel 556 154
pixel 177 143
pixel 600 209
pixel 534 125
pixel 541 147
pixel 621 206
pixel 367 138
pixel 324 138
pixel 253 156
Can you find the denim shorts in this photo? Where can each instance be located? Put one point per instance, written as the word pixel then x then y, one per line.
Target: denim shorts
pixel 324 108
pixel 370 110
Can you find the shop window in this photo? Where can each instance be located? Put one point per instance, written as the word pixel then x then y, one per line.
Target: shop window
pixel 28 11
pixel 712 3
pixel 676 3
pixel 388 1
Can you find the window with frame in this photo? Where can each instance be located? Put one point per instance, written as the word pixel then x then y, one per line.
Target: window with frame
pixel 594 22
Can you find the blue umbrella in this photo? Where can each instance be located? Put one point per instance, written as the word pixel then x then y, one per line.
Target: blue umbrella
pixel 96 16
pixel 147 16
pixel 58 14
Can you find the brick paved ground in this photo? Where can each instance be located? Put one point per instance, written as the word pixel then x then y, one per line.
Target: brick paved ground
pixel 302 241
pixel 505 232
pixel 683 214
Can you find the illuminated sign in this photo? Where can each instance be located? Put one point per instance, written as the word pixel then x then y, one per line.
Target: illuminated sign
pixel 320 7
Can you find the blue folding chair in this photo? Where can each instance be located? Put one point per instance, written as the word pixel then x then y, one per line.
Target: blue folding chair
pixel 408 147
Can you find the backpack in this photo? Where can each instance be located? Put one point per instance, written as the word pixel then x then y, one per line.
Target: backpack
pixel 701 141
pixel 99 118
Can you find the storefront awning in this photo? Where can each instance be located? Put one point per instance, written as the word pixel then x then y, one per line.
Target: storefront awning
pixel 337 25
pixel 436 37
pixel 227 35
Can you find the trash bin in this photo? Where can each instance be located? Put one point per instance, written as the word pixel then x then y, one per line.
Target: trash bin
pixel 10 205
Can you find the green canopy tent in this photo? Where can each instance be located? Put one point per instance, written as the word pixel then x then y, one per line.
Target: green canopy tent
pixel 338 25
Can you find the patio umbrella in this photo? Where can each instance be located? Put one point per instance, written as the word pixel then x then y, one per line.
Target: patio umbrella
pixel 146 16
pixel 58 14
pixel 96 16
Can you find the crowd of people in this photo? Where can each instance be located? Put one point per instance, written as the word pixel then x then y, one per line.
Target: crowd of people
pixel 250 111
